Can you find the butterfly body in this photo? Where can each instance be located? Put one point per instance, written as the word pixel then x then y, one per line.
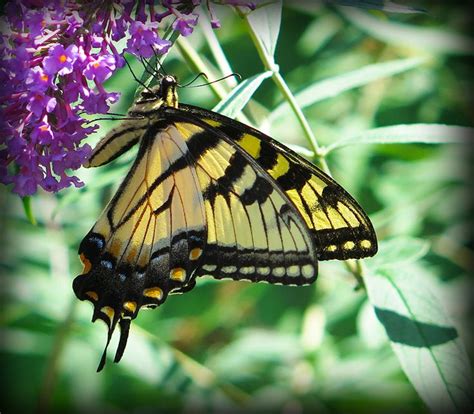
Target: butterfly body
pixel 207 195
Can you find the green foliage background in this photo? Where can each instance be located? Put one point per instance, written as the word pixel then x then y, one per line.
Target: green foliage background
pixel 396 344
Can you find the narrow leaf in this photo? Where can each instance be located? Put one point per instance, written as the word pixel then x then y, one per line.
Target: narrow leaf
pixel 334 86
pixel 28 210
pixel 422 336
pixel 236 100
pixel 387 6
pixel 265 22
pixel 408 134
pixel 426 39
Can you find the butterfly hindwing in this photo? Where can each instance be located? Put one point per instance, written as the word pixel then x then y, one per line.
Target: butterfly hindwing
pixel 338 224
pixel 150 237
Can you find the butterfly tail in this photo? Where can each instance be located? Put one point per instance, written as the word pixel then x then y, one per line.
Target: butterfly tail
pixel 112 323
pixel 124 330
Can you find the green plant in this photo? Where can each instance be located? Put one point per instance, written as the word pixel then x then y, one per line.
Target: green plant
pixel 378 98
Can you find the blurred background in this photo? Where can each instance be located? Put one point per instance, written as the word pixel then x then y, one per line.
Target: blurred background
pixel 230 346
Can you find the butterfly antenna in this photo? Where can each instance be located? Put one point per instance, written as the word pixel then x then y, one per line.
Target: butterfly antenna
pixel 236 75
pixel 148 68
pixel 162 69
pixel 135 77
pixel 119 118
pixel 194 80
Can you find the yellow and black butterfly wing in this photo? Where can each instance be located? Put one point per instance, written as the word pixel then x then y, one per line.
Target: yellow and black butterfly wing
pixel 149 240
pixel 253 231
pixel 340 228
pixel 207 195
pixel 194 203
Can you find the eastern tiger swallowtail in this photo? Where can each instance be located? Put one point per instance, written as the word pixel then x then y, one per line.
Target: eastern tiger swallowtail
pixel 207 195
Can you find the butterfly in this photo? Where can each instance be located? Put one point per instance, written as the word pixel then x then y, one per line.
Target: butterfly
pixel 207 195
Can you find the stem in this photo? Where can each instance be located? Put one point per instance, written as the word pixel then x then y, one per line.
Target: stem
pixel 356 268
pixel 270 65
pixel 216 49
pixel 199 373
pixel 198 65
pixel 59 267
pixel 49 379
pixel 205 377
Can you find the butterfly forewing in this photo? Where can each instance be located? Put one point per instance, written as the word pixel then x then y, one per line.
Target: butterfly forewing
pixel 338 224
pixel 254 232
pixel 118 141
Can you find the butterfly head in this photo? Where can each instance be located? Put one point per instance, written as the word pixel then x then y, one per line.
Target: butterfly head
pixel 151 99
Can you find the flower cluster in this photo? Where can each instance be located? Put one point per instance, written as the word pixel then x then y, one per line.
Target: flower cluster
pixel 55 56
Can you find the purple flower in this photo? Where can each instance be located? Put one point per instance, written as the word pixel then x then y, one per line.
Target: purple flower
pixel 60 60
pixel 38 80
pixel 49 183
pixel 99 103
pixel 35 22
pixel 42 134
pixel 215 23
pixel 101 68
pixel 144 38
pixel 38 102
pixel 185 25
pixel 55 56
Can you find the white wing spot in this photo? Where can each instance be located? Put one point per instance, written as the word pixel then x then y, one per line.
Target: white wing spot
pixel 279 271
pixel 365 244
pixel 293 271
pixel 229 269
pixel 349 245
pixel 264 271
pixel 247 270
pixel 307 271
pixel 209 268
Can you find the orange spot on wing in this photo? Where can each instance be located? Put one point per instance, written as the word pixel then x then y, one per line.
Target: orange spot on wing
pixel 132 254
pixel 116 247
pixel 130 306
pixel 154 292
pixel 93 295
pixel 195 253
pixel 107 310
pixel 178 274
pixel 86 262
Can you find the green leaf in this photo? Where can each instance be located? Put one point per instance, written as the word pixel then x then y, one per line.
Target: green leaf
pixel 398 251
pixel 334 86
pixel 387 6
pixel 408 134
pixel 265 22
pixel 28 211
pixel 422 336
pixel 233 103
pixel 426 39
